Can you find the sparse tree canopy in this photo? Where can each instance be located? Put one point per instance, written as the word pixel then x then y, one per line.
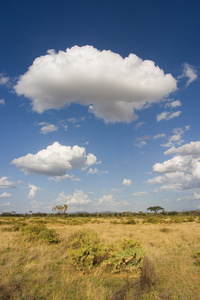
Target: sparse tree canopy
pixel 60 208
pixel 155 208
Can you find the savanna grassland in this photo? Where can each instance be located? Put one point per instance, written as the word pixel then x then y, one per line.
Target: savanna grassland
pixel 107 258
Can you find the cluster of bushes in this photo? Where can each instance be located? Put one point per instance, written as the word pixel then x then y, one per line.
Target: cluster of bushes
pixel 86 251
pixel 33 233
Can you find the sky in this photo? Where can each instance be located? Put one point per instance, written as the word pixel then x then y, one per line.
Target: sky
pixel 99 105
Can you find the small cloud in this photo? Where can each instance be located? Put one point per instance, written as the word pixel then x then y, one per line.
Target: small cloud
pixel 173 104
pixel 78 198
pixel 159 136
pixel 187 127
pixel 113 190
pixel 138 125
pixel 46 127
pixel 175 139
pixel 141 141
pixel 166 115
pixel 3 79
pixel 5 204
pixel 92 171
pixel 127 182
pixel 6 184
pixel 75 121
pixel 33 190
pixel 195 196
pixel 72 120
pixel 104 172
pixel 107 199
pixel 2 102
pixel 5 195
pixel 140 194
pixel 190 73
pixel 64 177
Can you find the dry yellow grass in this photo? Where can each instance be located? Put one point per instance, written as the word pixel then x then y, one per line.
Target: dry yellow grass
pixel 41 271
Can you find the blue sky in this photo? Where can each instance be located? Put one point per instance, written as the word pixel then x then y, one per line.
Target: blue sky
pixel 99 105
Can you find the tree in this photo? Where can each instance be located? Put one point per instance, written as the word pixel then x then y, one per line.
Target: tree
pixel 65 207
pixel 155 209
pixel 60 208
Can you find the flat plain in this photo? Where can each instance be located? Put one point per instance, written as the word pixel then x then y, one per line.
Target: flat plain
pixel 32 268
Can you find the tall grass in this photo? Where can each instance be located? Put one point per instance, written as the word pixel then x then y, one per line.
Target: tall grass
pixel 37 269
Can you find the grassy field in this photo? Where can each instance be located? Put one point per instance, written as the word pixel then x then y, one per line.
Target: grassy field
pixel 40 259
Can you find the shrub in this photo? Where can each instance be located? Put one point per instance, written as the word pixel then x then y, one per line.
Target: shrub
pixel 165 229
pixel 153 220
pixel 40 233
pixel 129 221
pixel 190 219
pixel 196 255
pixel 86 250
pixel 115 222
pixel 127 256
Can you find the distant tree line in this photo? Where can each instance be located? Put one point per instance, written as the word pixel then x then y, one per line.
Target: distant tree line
pixel 62 211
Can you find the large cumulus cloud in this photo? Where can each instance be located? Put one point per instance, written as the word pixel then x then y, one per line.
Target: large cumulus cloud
pixel 55 160
pixel 112 86
pixel 180 172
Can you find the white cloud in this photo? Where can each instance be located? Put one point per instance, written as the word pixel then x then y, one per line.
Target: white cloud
pixel 173 104
pixel 55 160
pixel 64 177
pixel 107 199
pixel 182 171
pixel 6 184
pixel 190 73
pixel 3 79
pixel 193 148
pixel 2 102
pixel 5 195
pixel 141 141
pixel 187 127
pixel 195 196
pixel 92 171
pixel 46 127
pixel 111 86
pixel 78 198
pixel 5 204
pixel 138 125
pixel 140 194
pixel 159 136
pixel 175 139
pixel 166 115
pixel 33 190
pixel 127 182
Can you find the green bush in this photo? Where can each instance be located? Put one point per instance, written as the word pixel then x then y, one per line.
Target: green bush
pixel 127 256
pixel 196 255
pixel 86 249
pixel 153 220
pixel 115 222
pixel 39 233
pixel 190 219
pixel 165 229
pixel 130 221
